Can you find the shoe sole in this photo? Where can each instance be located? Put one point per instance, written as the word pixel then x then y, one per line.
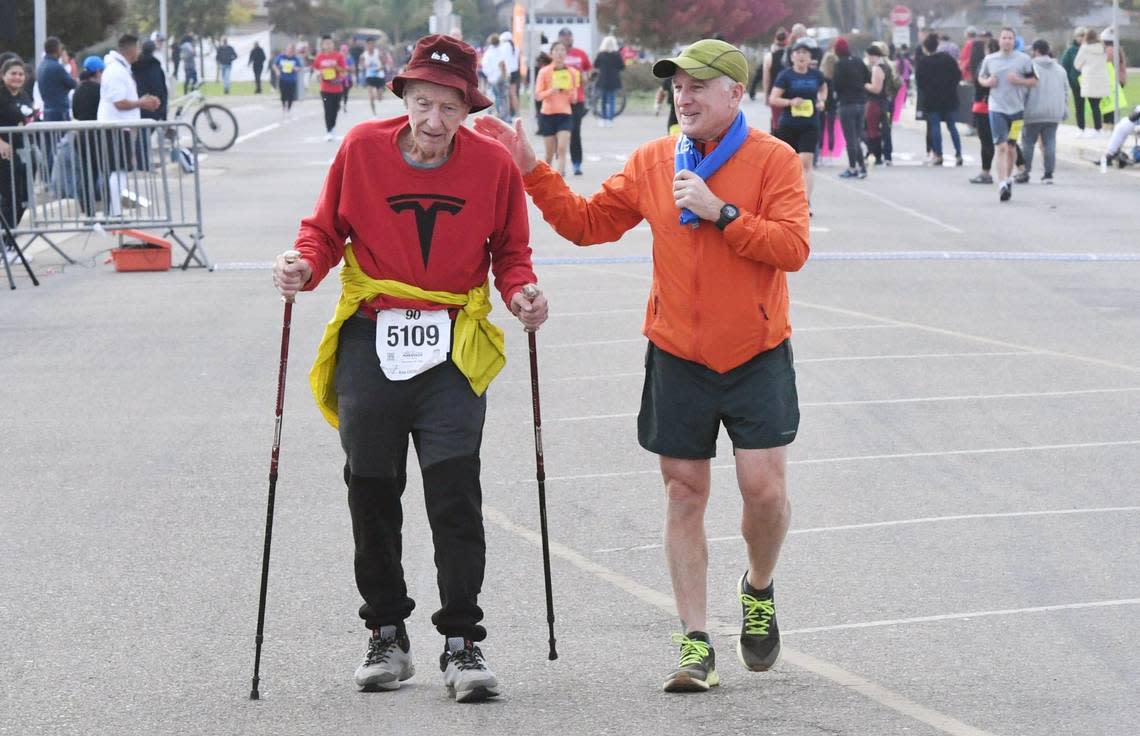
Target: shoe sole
pixel 474 695
pixel 763 665
pixel 683 682
pixel 375 686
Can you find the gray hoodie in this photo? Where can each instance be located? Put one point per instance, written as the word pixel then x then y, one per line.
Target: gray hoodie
pixel 1048 101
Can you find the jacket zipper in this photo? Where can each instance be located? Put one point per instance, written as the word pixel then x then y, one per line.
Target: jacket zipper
pixel 696 243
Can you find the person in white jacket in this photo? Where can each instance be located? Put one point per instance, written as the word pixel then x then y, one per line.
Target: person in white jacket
pixel 1046 106
pixel 1092 64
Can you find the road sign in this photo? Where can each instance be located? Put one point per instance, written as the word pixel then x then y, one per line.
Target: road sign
pixel 900 35
pixel 900 15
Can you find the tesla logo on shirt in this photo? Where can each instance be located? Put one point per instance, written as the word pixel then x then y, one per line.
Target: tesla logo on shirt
pixel 426 208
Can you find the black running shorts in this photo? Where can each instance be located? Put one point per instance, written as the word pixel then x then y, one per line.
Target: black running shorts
pixel 684 403
pixel 803 140
pixel 550 125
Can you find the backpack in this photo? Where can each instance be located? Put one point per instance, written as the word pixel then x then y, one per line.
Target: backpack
pixel 891 82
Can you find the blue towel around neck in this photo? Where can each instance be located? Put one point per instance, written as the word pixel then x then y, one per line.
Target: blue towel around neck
pixel 687 157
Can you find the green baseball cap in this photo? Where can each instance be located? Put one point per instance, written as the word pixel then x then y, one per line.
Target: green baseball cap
pixel 706 59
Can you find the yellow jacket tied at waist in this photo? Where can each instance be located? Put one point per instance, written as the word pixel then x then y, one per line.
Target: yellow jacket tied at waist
pixel 479 350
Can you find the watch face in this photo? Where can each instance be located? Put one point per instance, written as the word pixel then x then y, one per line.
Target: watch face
pixel 730 211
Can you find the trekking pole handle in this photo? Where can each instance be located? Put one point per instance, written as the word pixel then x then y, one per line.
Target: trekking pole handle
pixel 291 257
pixel 531 292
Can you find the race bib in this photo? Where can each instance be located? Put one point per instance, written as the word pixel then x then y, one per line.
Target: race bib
pixel 1015 129
pixel 562 79
pixel 804 109
pixel 410 341
pixel 328 74
pixel 287 67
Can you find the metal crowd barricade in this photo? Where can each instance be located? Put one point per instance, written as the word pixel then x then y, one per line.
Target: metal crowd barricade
pixel 75 177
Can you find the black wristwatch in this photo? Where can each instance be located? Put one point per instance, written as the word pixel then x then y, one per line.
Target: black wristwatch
pixel 728 213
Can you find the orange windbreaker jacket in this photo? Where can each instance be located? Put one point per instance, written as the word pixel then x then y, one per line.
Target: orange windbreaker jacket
pixel 718 298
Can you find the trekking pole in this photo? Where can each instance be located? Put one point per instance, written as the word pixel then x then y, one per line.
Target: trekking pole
pixel 290 257
pixel 531 292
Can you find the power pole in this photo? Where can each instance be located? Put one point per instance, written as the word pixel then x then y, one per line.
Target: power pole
pixel 40 31
pixel 593 11
pixel 162 18
pixel 1115 64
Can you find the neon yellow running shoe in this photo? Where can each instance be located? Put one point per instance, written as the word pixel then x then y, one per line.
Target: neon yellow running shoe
pixel 696 672
pixel 759 644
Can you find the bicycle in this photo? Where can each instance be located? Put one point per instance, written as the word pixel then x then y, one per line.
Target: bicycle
pixel 594 99
pixel 216 126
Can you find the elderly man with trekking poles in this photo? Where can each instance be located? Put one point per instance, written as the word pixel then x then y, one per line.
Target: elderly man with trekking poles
pixel 410 350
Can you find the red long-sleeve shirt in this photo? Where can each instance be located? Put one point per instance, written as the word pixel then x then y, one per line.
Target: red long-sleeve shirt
pixel 439 229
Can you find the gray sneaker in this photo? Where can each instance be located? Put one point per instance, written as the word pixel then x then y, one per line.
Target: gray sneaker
pixel 466 675
pixel 388 661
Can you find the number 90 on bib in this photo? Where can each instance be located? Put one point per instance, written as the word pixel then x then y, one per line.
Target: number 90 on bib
pixel 411 341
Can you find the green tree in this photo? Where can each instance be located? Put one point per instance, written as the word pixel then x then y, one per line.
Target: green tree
pixel 302 18
pixel 1054 15
pixel 402 19
pixel 661 23
pixel 293 17
pixel 78 23
pixel 208 18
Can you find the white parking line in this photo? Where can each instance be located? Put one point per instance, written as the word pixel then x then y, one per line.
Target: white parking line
pixel 559 315
pixel 891 203
pixel 966 336
pixel 864 458
pixel 905 522
pixel 259 131
pixel 882 402
pixel 591 343
pixel 972 397
pixel 834 673
pixel 564 379
pixel 799 361
pixel 841 328
pixel 927 328
pixel 952 453
pixel 961 616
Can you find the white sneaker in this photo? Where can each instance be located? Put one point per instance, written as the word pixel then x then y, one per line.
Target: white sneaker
pixel 466 675
pixel 12 257
pixel 387 663
pixel 328 136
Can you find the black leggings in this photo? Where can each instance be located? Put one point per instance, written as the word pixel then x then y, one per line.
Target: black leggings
pixel 13 201
pixel 1094 103
pixel 331 101
pixel 288 89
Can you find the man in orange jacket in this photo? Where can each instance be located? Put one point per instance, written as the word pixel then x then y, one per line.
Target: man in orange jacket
pixel 729 218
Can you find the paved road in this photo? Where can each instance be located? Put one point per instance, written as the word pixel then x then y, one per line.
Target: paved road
pixel 963 557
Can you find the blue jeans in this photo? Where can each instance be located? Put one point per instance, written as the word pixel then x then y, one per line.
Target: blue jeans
pixel 935 118
pixel 502 100
pixel 227 69
pixel 609 104
pixel 1047 132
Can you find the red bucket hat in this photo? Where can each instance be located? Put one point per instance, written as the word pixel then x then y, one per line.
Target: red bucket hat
pixel 446 61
